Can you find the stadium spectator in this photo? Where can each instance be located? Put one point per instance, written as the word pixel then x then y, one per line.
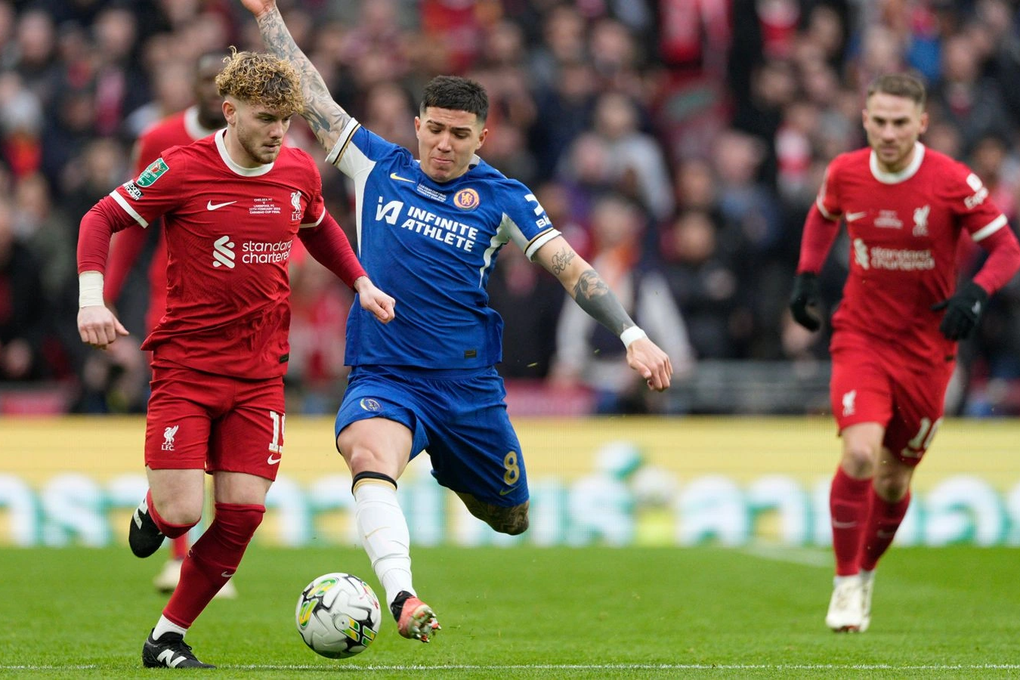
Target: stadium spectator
pixel 430 382
pixel 964 97
pixel 896 331
pixel 585 351
pixel 21 316
pixel 233 203
pixel 638 167
pixel 528 299
pixel 705 286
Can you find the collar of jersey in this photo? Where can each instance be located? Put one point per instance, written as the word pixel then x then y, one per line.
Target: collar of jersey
pixel 221 146
pixel 904 174
pixel 194 128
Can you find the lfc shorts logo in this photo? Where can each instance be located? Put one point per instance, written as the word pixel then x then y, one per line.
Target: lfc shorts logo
pixel 848 402
pixel 168 437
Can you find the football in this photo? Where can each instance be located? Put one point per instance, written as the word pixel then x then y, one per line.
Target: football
pixel 338 615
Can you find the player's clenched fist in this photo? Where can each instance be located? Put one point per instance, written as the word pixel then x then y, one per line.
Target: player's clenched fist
pixel 373 300
pixel 645 357
pixel 259 7
pixel 98 326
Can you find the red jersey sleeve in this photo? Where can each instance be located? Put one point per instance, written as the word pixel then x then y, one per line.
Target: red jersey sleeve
pixel 968 199
pixel 155 191
pixel 988 227
pixel 324 238
pixel 97 227
pixel 827 201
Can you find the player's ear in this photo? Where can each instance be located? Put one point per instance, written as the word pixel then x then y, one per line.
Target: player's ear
pixel 481 138
pixel 417 125
pixel 924 122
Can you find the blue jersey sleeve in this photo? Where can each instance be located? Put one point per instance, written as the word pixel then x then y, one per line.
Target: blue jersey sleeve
pixel 524 218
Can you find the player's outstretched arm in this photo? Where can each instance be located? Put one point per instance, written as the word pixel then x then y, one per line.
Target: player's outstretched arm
pixel 592 295
pixel 97 325
pixel 325 117
pixel 374 300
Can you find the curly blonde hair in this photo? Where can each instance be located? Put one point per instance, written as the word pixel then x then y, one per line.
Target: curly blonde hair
pixel 261 79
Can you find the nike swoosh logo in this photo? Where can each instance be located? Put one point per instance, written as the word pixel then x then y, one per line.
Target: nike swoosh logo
pixel 216 206
pixel 504 492
pixel 843 525
pixel 397 177
pixel 372 532
pixel 853 217
pixel 227 574
pixel 272 461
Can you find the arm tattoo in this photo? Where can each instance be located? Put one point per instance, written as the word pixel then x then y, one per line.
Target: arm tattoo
pixel 325 117
pixel 593 296
pixel 561 259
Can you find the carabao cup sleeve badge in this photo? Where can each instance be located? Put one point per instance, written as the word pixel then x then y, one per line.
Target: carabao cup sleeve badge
pixel 466 199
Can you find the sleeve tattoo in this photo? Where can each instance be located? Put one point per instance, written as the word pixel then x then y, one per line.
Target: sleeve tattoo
pixel 561 259
pixel 325 117
pixel 593 296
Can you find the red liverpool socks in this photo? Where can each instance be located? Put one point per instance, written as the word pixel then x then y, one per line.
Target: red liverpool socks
pixel 213 560
pixel 848 506
pixel 883 521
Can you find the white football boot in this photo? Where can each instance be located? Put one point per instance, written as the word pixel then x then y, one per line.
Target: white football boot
pixel 845 613
pixel 168 577
pixel 867 587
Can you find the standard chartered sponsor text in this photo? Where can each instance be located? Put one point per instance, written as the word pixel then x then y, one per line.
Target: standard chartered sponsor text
pixel 262 252
pixel 902 260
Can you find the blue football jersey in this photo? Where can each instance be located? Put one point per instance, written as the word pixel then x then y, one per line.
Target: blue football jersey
pixel 432 247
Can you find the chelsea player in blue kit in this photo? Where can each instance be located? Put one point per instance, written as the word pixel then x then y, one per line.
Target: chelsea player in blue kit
pixel 429 232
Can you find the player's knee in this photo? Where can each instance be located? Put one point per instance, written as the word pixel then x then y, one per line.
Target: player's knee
pixel 892 487
pixel 859 459
pixel 511 521
pixel 180 513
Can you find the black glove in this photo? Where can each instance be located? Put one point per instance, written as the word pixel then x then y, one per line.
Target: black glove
pixel 806 293
pixel 963 311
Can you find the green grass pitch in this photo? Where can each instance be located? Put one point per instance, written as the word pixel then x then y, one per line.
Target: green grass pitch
pixel 536 613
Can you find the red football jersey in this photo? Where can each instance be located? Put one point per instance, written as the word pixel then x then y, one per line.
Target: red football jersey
pixel 178 130
pixel 228 231
pixel 904 230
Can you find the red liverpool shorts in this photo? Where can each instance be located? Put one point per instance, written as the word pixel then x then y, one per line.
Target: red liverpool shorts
pixel 200 420
pixel 872 383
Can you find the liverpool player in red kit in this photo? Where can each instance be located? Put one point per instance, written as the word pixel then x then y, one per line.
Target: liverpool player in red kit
pixel 196 122
pixel 895 332
pixel 231 205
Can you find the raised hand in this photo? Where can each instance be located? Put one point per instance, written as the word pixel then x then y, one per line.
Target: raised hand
pixel 99 327
pixel 259 7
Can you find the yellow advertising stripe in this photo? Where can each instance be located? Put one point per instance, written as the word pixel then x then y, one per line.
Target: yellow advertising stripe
pixel 741 448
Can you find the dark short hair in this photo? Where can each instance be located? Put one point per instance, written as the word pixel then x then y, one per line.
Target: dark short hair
pixel 457 94
pixel 899 85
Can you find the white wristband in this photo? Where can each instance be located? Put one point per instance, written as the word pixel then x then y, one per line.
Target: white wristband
pixel 90 289
pixel 631 334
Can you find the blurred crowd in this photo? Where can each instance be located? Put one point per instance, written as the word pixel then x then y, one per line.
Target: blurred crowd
pixel 676 147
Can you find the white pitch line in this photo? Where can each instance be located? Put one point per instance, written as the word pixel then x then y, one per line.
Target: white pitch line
pixel 775 553
pixel 583 667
